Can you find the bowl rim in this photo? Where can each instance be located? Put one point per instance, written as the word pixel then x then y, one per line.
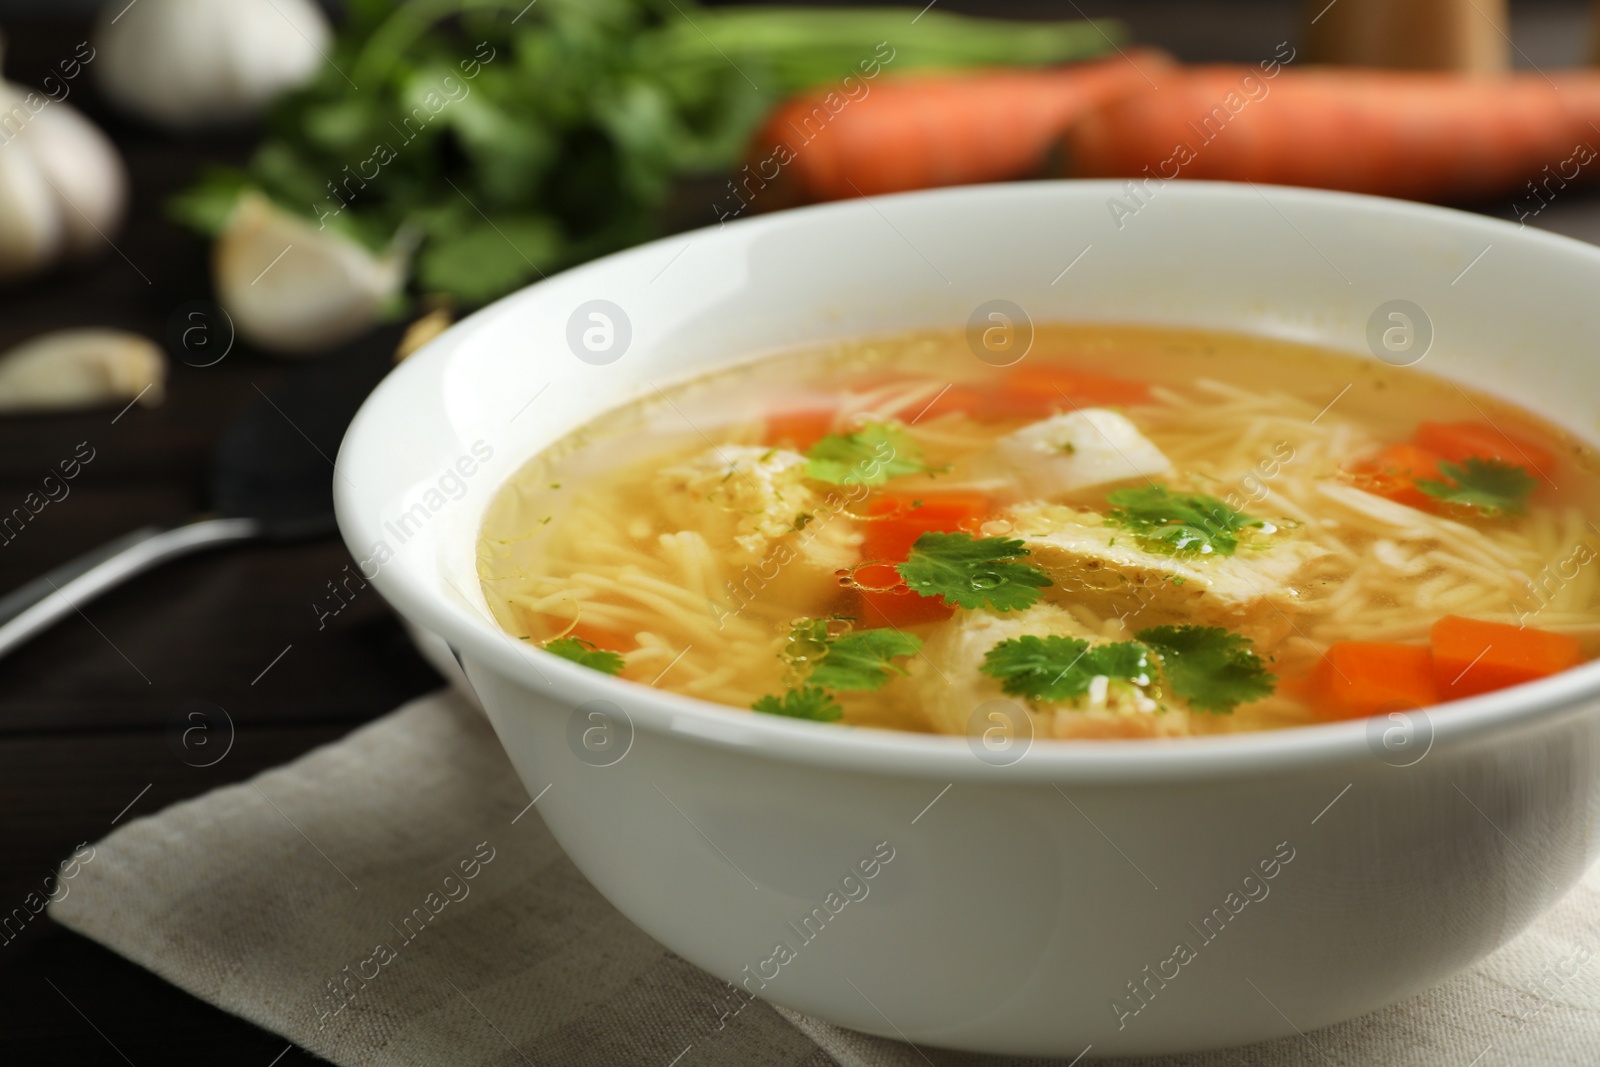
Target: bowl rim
pixel 479 643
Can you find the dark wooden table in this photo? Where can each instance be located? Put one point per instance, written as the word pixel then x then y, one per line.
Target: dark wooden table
pixel 90 710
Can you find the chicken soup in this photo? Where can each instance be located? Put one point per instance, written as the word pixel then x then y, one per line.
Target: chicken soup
pixel 1130 533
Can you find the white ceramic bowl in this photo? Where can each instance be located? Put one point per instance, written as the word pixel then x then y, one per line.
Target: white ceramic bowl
pixel 1035 907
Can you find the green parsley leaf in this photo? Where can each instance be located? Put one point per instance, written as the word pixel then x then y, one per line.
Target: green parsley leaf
pixel 1212 669
pixel 1490 485
pixel 972 572
pixel 585 654
pixel 1056 668
pixel 1179 523
pixel 870 456
pixel 807 703
pixel 863 659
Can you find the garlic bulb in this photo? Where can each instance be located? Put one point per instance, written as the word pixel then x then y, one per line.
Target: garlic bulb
pixel 62 184
pixel 293 288
pixel 191 63
pixel 81 369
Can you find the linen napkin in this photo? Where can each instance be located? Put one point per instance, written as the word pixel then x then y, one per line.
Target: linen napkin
pixel 394 898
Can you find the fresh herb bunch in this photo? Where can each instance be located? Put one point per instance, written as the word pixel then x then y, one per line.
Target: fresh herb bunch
pixel 515 139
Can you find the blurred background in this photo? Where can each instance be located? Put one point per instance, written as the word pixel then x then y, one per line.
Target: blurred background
pixel 217 214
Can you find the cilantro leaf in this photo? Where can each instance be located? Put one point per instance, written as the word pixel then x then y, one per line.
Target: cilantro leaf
pixel 585 654
pixel 863 659
pixel 1056 668
pixel 1490 485
pixel 870 456
pixel 1210 668
pixel 972 572
pixel 1178 523
pixel 807 703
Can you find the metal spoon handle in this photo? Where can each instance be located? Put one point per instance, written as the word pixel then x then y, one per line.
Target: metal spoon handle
pixel 49 598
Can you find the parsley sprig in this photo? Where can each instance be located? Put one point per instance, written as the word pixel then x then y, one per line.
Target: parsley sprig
pixel 860 661
pixel 972 572
pixel 585 654
pixel 807 702
pixel 1179 523
pixel 870 456
pixel 1210 668
pixel 1057 668
pixel 1491 486
pixel 864 660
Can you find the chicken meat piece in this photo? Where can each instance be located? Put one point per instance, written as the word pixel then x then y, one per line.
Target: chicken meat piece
pixel 760 492
pixel 1075 456
pixel 754 497
pixel 1104 568
pixel 959 699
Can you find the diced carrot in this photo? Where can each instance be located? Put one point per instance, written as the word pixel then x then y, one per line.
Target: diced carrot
pixel 542 626
pixel 599 637
pixel 550 627
pixel 879 575
pixel 1299 686
pixel 958 397
pixel 899 609
pixel 1472 657
pixel 1036 389
pixel 908 517
pixel 888 601
pixel 800 428
pixel 885 599
pixel 1394 472
pixel 1355 679
pixel 1457 441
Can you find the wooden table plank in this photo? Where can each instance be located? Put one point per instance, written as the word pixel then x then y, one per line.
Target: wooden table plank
pixel 56 792
pixel 87 710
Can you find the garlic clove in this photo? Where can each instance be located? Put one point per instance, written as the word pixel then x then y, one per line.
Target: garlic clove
pixel 186 64
pixel 71 369
pixel 293 288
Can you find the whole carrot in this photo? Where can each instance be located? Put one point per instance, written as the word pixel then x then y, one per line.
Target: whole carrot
pixel 1421 136
pixel 920 131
